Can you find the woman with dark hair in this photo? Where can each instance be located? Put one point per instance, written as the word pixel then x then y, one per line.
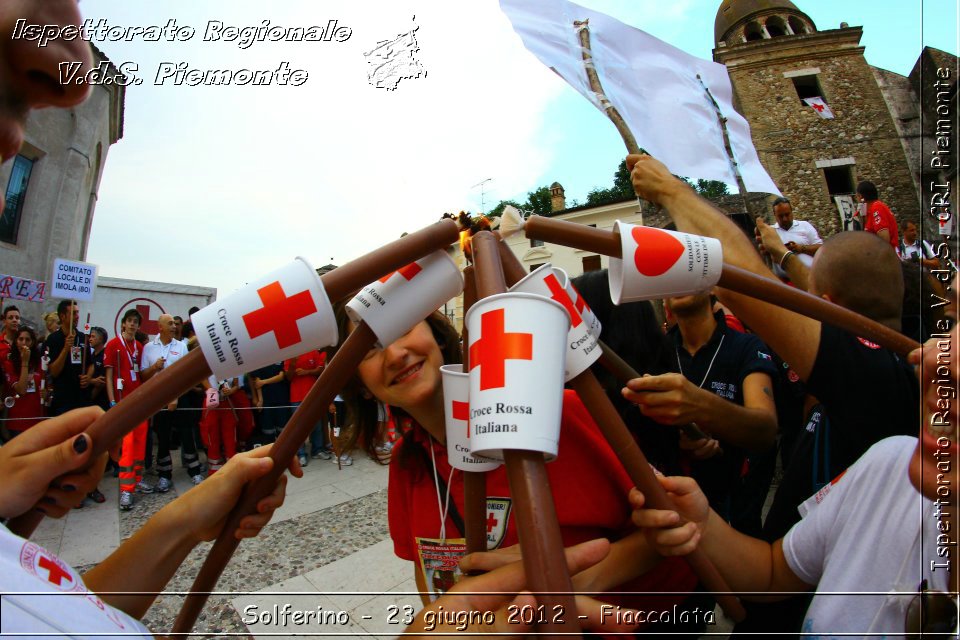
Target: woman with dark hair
pixel 426 493
pixel 23 376
pixel 632 331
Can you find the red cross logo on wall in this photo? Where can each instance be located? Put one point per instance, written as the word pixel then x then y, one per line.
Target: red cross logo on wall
pixel 408 272
pixel 461 411
pixel 279 314
pixel 55 573
pixel 559 294
pixel 491 522
pixel 148 325
pixel 496 347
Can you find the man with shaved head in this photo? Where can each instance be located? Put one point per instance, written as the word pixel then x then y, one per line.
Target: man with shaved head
pixel 868 392
pixel 159 353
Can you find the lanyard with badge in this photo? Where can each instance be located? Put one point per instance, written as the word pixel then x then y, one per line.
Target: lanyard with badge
pixel 440 557
pixel 132 358
pixel 76 351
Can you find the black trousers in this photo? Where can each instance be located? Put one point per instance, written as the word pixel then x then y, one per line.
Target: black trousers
pixel 164 423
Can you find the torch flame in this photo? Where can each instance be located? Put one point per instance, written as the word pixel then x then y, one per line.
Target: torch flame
pixel 468 227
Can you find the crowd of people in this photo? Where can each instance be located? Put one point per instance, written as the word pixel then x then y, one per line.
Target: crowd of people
pixel 863 504
pixel 65 369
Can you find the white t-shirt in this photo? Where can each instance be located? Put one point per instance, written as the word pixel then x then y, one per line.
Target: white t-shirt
pixel 154 350
pixel 863 533
pixel 801 232
pixel 42 594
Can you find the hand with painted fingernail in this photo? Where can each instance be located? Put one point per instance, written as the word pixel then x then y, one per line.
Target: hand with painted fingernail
pixel 43 460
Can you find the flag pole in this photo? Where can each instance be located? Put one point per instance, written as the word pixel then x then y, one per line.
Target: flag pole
pixel 583 33
pixel 536 516
pixel 734 166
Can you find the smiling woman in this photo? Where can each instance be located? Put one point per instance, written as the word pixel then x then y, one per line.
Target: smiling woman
pixel 426 494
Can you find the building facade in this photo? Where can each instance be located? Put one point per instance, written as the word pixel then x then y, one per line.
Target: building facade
pixel 52 185
pixel 777 57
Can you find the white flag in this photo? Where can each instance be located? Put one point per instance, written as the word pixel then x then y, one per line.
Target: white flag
pixel 821 107
pixel 652 84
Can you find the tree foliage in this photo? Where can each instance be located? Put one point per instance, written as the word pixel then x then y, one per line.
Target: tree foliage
pixel 538 202
pixel 622 188
pixel 711 188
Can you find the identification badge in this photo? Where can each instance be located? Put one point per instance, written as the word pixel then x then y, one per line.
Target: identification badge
pixel 133 375
pixel 76 355
pixel 32 385
pixel 336 432
pixel 136 367
pixel 440 563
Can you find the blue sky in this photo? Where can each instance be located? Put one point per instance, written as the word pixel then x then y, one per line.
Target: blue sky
pixel 253 176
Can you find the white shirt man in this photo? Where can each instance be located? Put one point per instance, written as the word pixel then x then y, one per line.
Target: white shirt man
pixel 158 354
pixel 798 236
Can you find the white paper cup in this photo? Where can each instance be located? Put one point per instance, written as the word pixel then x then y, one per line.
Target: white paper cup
pixel 397 301
pixel 662 264
pixel 582 349
pixel 456 411
pixel 517 351
pixel 275 317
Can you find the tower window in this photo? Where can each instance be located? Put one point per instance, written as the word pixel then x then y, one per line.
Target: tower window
pixel 839 180
pixel 752 32
pixel 776 26
pixel 796 25
pixel 807 87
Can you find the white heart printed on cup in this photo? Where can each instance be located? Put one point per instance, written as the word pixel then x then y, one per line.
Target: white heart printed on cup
pixel 658 263
pixel 399 300
pixel 516 373
pixel 456 411
pixel 582 348
pixel 278 316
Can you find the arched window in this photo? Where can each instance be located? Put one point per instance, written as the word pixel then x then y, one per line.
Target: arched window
pixel 776 26
pixel 752 32
pixel 797 25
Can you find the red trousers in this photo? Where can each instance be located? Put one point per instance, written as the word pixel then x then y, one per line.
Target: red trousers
pixel 131 457
pixel 241 402
pixel 219 432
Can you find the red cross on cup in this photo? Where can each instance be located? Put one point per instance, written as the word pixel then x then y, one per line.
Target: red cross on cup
pixel 409 272
pixel 516 373
pixel 495 347
pixel 279 314
pixel 456 392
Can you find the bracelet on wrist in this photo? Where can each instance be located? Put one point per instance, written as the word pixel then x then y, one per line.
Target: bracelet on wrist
pixel 783 258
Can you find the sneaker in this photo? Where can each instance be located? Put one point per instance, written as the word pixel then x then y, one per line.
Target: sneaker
pixel 304 461
pixel 96 496
pixel 321 455
pixel 345 460
pixel 144 487
pixel 197 479
pixel 164 485
pixel 126 500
